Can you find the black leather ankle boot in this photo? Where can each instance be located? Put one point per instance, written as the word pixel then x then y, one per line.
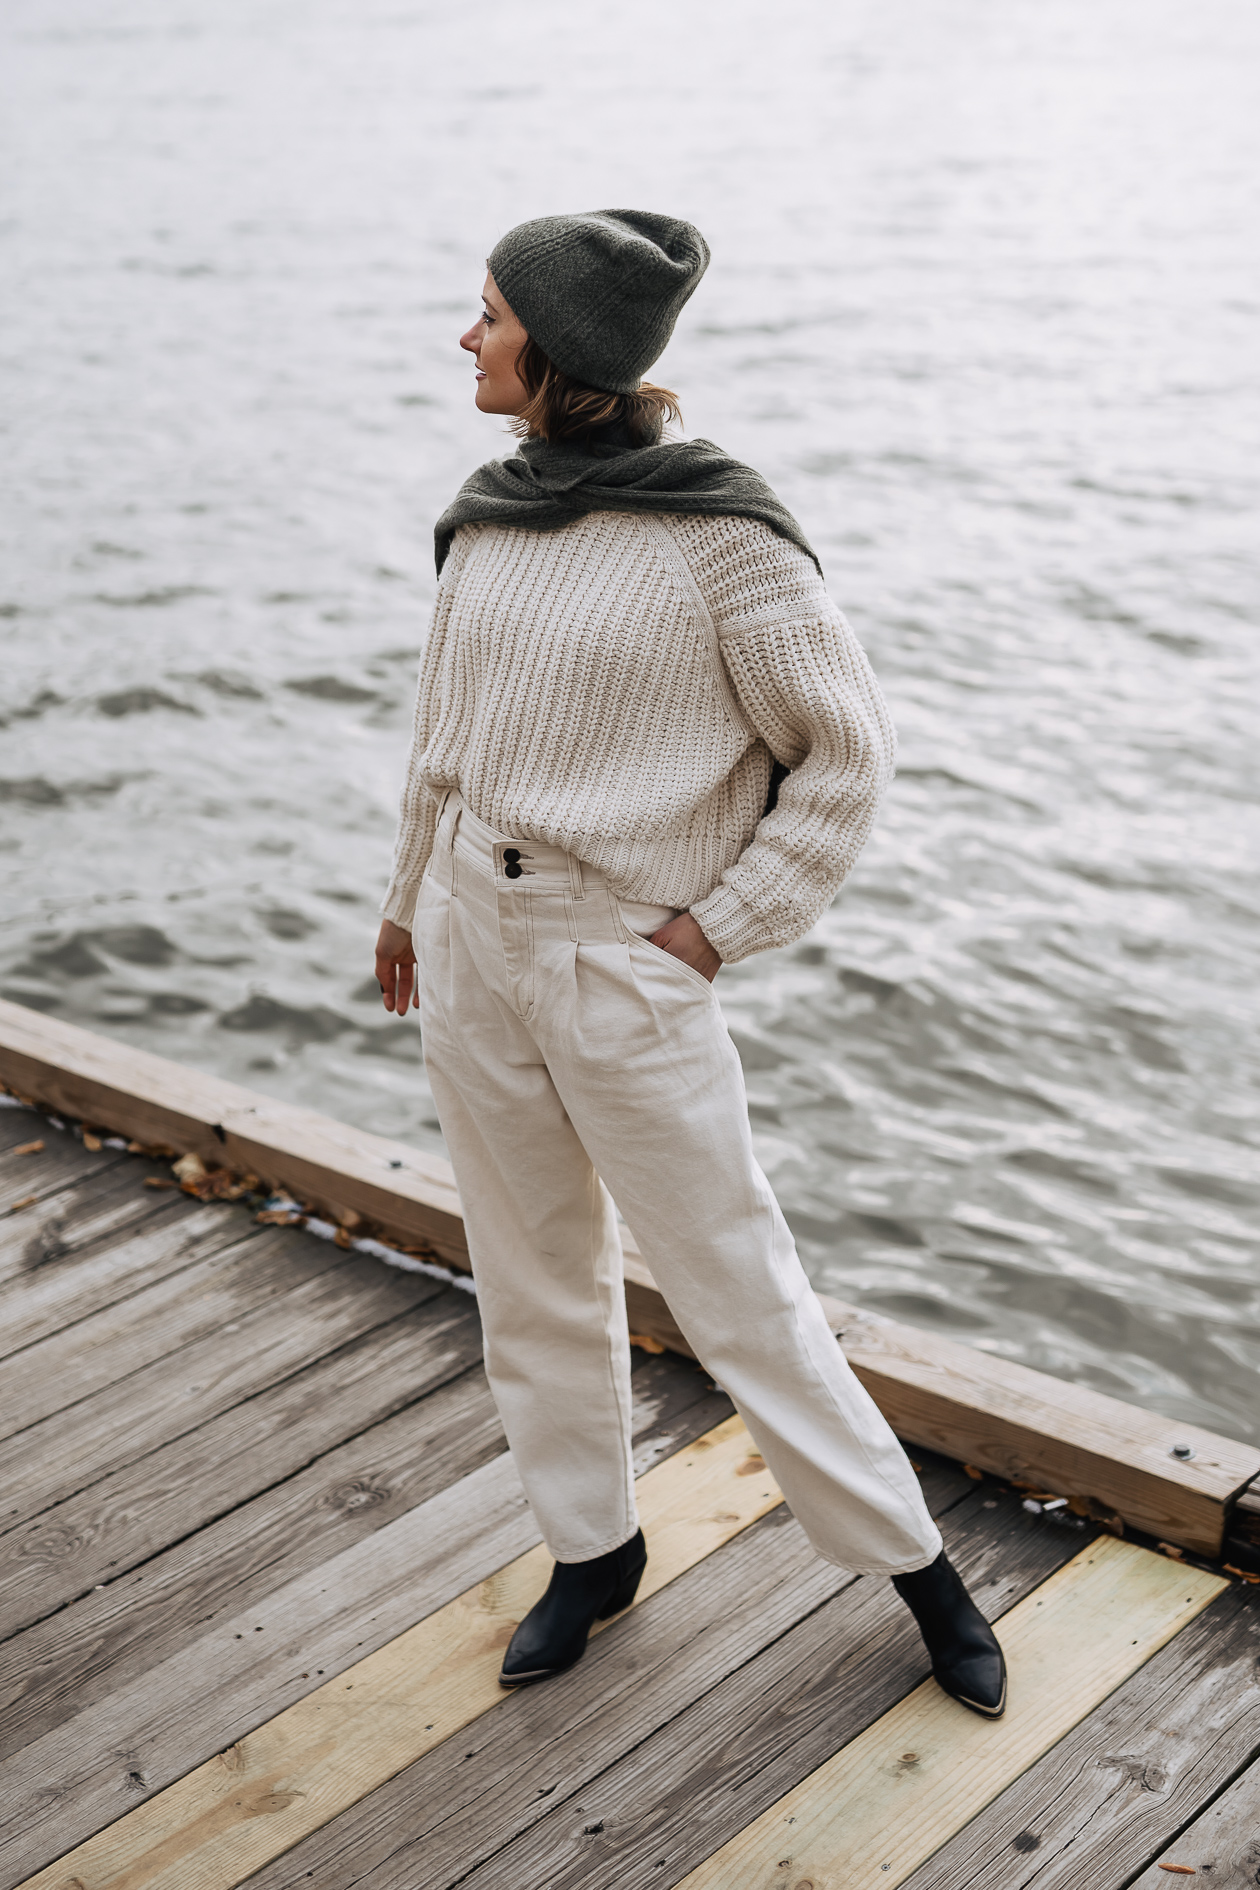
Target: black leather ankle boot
pixel 966 1659
pixel 553 1634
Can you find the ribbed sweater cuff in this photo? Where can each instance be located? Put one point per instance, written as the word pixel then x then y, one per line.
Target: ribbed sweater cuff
pixel 731 926
pixel 399 905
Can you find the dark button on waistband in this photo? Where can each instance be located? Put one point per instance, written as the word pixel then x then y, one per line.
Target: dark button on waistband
pixel 511 855
pixel 512 870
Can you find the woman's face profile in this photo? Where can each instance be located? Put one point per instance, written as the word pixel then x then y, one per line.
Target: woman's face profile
pixel 496 339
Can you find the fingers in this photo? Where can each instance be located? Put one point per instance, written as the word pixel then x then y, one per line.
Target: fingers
pixel 400 988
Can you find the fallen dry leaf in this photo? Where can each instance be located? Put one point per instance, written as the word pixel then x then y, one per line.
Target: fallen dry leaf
pixel 29 1148
pixel 973 1472
pixel 189 1168
pixel 1243 1574
pixel 90 1141
pixel 280 1217
pixel 645 1340
pixel 1170 1548
pixel 28 1200
pixel 159 1181
pixel 342 1238
pixel 1182 1870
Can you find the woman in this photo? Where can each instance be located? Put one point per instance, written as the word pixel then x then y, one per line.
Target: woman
pixel 646 743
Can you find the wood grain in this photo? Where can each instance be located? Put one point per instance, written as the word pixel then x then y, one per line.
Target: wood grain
pixel 60 1163
pixel 153 1100
pixel 1222 1846
pixel 470 1797
pixel 968 1404
pixel 104 1531
pixel 77 1264
pixel 1019 1423
pixel 887 1800
pixel 205 1300
pixel 337 1297
pixel 109 1638
pixel 235 1813
pixel 732 1752
pixel 1107 1798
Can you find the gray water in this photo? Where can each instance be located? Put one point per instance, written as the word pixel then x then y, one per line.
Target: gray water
pixel 983 308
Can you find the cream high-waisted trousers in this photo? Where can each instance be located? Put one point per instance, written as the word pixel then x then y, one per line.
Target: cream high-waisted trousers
pixel 562 1047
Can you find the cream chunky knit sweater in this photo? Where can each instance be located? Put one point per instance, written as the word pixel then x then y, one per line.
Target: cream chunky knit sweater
pixel 618 688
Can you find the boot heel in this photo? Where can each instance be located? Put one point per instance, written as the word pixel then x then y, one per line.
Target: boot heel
pixel 625 1594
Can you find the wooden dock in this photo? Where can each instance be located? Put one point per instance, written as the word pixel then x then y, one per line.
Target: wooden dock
pixel 262 1546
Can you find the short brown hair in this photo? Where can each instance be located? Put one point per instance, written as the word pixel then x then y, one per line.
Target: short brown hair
pixel 561 408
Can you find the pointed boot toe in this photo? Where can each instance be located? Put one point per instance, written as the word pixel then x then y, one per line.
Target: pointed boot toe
pixel 967 1661
pixel 554 1633
pixel 975 1680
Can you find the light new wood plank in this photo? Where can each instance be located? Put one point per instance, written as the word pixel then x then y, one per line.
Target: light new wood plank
pixel 1108 1796
pixel 233 1815
pixel 967 1404
pixel 671 1799
pixel 108 1638
pixel 469 1812
pixel 886 1801
pixel 1222 1847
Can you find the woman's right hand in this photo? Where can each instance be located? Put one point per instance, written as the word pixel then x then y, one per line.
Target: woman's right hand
pixel 396 968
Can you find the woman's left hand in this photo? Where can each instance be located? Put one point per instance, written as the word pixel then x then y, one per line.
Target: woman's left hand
pixel 682 938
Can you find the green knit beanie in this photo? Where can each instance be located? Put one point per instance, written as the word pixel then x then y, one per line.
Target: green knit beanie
pixel 600 292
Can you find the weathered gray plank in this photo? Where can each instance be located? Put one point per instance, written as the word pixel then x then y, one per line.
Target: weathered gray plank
pixel 675 1798
pixel 472 1796
pixel 340 1295
pixel 62 1161
pixel 1093 1811
pixel 68 1278
pixel 110 1636
pixel 103 1533
pixel 107 1638
pixel 207 1297
pixel 247 1668
pixel 1222 1846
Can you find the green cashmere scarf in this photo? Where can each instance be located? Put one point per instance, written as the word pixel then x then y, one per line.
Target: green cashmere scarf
pixel 545 486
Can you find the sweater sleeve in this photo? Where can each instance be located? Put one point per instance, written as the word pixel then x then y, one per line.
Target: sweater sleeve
pixel 806 688
pixel 417 810
pixel 417 823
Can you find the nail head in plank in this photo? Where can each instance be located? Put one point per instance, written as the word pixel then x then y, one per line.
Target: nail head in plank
pixel 886 1801
pixel 209 1831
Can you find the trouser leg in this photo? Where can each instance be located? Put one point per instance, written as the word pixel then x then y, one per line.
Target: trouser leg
pixel 652 1083
pixel 542 1235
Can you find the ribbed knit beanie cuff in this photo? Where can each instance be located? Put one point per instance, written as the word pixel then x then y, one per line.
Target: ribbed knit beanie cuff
pixel 600 292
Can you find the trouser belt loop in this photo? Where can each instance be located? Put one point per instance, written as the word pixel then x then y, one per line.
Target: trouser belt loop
pixel 575 877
